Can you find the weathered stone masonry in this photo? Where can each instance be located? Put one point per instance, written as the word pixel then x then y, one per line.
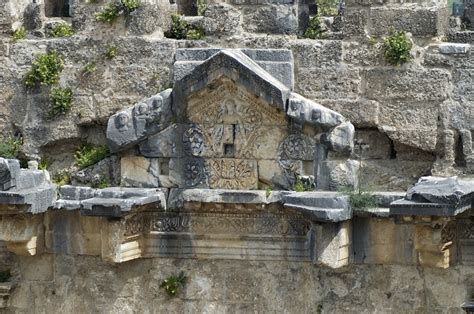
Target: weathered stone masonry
pixel 199 129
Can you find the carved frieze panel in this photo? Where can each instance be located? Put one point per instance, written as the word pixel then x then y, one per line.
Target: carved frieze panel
pixel 217 223
pixel 236 174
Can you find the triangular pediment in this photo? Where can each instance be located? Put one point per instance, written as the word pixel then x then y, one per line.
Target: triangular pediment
pixel 237 67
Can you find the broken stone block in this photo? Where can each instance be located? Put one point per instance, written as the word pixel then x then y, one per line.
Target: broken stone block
pixel 137 171
pixel 341 138
pixel 305 110
pixel 9 173
pixel 332 245
pixel 433 196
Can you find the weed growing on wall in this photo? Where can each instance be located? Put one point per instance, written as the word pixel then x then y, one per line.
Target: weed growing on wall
pixel 10 147
pixel 180 29
pixel 111 52
pixel 19 34
pixel 327 7
pixel 314 30
pixel 201 6
pixel 61 178
pixel 173 284
pixel 397 48
pixel 60 30
pixel 60 101
pixel 88 155
pixel 115 9
pixel 89 68
pixel 45 70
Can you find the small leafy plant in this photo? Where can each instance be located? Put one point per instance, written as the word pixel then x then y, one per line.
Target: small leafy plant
pixel 5 275
pixel 397 48
pixel 88 155
pixel 10 147
pixel 19 33
pixel 314 30
pixel 173 284
pixel 201 6
pixel 60 101
pixel 45 70
pixel 268 191
pixel 43 164
pixel 115 9
pixel 111 52
pixel 327 7
pixel 181 29
pixel 298 186
pixel 89 68
pixel 61 178
pixel 61 30
pixel 361 199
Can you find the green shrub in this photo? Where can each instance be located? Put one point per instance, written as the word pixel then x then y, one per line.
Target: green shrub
pixel 43 164
pixel 19 33
pixel 196 32
pixel 298 186
pixel 362 200
pixel 173 284
pixel 180 29
pixel 10 147
pixel 201 6
pixel 60 30
pixel 268 191
pixel 397 48
pixel 314 30
pixel 45 70
pixel 61 178
pixel 115 9
pixel 88 155
pixel 5 275
pixel 60 101
pixel 111 52
pixel 327 7
pixel 89 68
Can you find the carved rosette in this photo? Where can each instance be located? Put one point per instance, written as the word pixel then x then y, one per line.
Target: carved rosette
pixel 194 172
pixel 297 147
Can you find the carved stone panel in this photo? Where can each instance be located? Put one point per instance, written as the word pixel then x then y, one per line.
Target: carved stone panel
pixel 236 174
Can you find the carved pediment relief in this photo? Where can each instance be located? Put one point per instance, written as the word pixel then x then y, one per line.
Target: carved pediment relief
pixel 228 123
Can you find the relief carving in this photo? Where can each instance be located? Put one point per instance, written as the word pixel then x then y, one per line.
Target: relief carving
pixel 232 174
pixel 217 223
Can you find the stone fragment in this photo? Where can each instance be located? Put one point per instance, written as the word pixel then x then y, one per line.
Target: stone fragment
pixel 433 196
pixel 332 245
pixel 132 125
pixel 341 138
pixel 9 173
pixel 305 110
pixel 271 19
pixel 137 171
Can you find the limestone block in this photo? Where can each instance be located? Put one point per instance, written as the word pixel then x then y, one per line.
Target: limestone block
pixel 377 144
pixel 463 86
pixel 355 21
pixel 149 18
pixel 382 241
pixel 319 206
pixel 316 53
pixel 454 48
pixel 328 82
pixel 221 19
pixel 137 171
pixel 361 112
pixel 270 172
pixel 432 251
pixel 394 83
pixel 333 175
pixel 38 268
pixel 164 143
pixel 9 173
pixel 115 248
pixel 332 244
pixel 420 21
pixel 271 19
pixel 23 235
